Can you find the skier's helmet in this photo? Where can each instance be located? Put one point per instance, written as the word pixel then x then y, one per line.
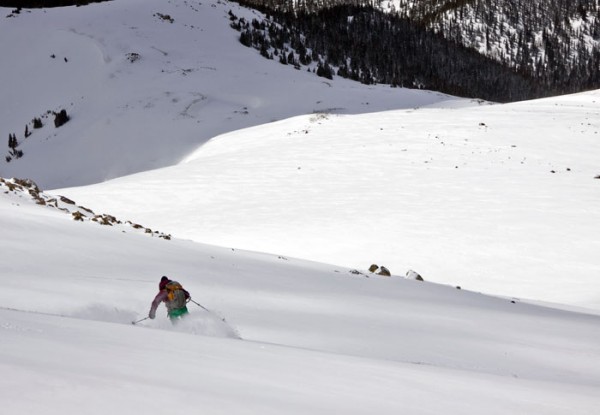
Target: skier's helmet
pixel 163 282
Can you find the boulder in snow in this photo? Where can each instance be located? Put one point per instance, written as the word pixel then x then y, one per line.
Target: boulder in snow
pixel 413 275
pixel 384 271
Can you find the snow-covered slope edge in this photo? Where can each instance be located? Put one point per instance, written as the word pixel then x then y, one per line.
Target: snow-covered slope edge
pixel 25 190
pixel 353 343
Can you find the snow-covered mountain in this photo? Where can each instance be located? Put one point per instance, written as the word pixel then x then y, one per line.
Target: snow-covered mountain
pixel 288 173
pixel 523 34
pixel 145 83
pixel 506 50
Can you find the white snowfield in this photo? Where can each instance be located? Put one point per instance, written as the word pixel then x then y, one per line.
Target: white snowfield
pixel 496 199
pixel 314 338
pixel 500 199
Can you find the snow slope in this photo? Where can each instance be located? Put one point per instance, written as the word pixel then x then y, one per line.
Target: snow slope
pixel 459 191
pixel 298 337
pixel 496 198
pixel 145 83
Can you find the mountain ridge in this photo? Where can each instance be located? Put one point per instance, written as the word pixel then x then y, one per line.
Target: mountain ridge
pixel 554 46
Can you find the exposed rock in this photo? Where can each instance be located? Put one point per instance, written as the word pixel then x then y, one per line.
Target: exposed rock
pixel 66 200
pixel 60 118
pixel 27 189
pixel 413 275
pixel 373 268
pixel 77 215
pixel 384 272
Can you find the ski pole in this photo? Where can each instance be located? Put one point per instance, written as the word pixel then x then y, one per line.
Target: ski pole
pixel 139 321
pixel 208 311
pixel 200 305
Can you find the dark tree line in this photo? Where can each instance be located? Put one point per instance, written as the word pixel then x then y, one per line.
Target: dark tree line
pixel 554 41
pixel 369 46
pixel 502 50
pixel 13 152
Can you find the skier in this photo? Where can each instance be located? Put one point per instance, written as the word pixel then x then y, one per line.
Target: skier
pixel 175 298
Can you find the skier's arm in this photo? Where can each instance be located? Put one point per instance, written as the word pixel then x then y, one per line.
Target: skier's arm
pixel 160 297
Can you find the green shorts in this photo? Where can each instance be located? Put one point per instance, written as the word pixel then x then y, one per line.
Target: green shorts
pixel 177 313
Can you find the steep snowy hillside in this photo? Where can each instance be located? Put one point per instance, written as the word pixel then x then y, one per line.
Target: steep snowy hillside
pixel 144 83
pixel 283 335
pixel 499 198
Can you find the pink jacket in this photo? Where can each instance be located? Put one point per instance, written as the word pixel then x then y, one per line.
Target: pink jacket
pixel 163 296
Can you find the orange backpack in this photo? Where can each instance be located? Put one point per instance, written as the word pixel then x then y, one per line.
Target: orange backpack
pixel 175 294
